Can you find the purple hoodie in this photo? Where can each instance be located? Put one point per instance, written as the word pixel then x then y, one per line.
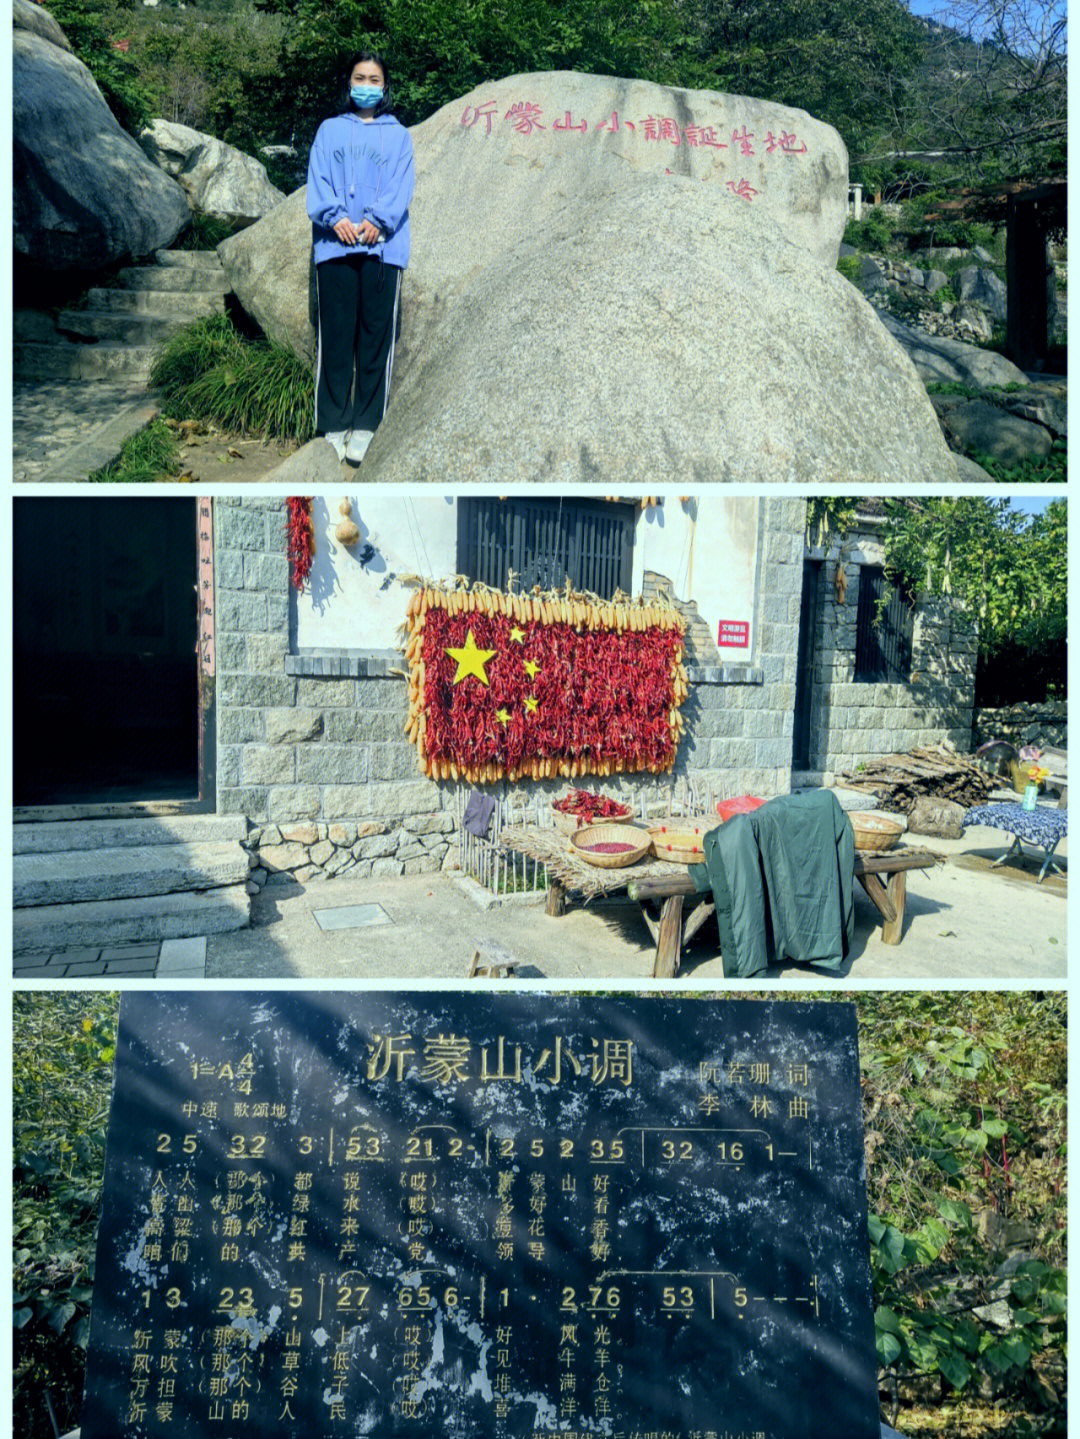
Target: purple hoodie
pixel 362 170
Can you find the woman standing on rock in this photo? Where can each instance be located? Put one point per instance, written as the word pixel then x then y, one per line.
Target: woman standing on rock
pixel 359 184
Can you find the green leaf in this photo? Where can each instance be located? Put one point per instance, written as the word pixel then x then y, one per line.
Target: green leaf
pixel 1017 1348
pixel 23 1316
pixel 998 1356
pixel 889 1348
pixel 955 1211
pixel 955 1368
pixel 995 1127
pixel 886 1320
pixel 59 1314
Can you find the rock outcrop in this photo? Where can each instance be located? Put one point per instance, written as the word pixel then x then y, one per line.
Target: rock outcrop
pixel 218 180
pixel 86 197
pixel 611 280
pixel 951 361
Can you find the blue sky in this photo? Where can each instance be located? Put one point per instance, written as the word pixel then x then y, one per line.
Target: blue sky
pixel 931 7
pixel 1032 506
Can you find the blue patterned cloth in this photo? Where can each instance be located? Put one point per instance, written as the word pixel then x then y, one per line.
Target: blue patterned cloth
pixel 1040 826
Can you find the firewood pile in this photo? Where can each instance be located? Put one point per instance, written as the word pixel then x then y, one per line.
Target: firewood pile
pixel 898 780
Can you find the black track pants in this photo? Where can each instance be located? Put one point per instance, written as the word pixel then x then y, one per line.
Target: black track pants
pixel 358 305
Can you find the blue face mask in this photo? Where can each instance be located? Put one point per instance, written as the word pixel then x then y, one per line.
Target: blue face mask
pixel 366 97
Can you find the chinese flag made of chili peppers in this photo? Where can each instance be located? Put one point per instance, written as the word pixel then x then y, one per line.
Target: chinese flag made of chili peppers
pixel 541 686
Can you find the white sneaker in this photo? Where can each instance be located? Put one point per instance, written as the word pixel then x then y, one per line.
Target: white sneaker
pixel 338 439
pixel 358 445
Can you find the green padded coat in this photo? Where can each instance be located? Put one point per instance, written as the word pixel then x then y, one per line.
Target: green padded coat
pixel 782 879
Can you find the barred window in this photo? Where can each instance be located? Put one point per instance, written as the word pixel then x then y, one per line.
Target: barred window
pixel 884 629
pixel 546 541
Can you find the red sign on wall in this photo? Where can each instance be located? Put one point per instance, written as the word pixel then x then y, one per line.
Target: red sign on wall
pixel 734 633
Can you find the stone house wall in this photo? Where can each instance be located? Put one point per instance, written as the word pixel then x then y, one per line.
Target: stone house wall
pixel 312 747
pixel 851 720
pixel 1042 724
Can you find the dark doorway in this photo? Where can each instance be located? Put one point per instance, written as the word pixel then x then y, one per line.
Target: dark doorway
pixel 804 681
pixel 106 705
pixel 1032 216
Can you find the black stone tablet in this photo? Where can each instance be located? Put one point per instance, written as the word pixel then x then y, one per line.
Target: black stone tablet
pixel 483 1215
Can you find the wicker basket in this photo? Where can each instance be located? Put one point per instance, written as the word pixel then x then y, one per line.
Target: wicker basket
pixel 874 832
pixel 568 823
pixel 680 841
pixel 611 834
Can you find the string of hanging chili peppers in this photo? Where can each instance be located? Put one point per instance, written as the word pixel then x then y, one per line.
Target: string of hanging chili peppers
pixel 542 685
pixel 300 537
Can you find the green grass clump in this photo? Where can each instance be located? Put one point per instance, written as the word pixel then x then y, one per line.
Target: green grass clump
pixel 210 372
pixel 205 233
pixel 149 455
pixel 850 267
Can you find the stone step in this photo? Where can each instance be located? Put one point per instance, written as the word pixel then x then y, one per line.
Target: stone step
pixel 188 259
pixel 131 921
pixel 173 278
pixel 36 326
pixel 85 876
pixel 56 836
pixel 67 360
pixel 178 304
pixel 144 328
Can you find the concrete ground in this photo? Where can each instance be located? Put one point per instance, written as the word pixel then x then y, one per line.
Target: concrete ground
pixel 966 924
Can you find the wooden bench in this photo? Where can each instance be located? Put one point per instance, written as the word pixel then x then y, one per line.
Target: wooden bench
pixel 883 876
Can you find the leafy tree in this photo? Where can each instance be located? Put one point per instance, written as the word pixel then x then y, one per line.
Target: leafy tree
pixel 100 32
pixel 223 76
pixel 1007 569
pixel 846 64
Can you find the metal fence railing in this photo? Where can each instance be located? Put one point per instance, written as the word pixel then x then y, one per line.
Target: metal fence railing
pixel 504 872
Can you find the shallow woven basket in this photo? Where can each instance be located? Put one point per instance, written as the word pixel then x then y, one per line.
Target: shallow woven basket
pixel 874 831
pixel 568 823
pixel 680 842
pixel 611 834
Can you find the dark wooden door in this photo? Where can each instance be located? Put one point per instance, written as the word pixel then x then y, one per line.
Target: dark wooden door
pixel 111 691
pixel 804 681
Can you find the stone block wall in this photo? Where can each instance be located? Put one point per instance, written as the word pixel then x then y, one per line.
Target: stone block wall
pixel 312 747
pixel 852 720
pixel 1042 724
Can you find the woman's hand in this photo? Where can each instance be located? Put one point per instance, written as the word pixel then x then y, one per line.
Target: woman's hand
pixel 347 232
pixel 369 234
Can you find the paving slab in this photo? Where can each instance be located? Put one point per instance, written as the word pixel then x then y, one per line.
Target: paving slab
pixel 351 916
pixel 182 959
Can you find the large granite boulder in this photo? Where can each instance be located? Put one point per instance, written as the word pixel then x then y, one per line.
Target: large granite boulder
pixel 219 180
pixel 86 196
pixel 612 280
pixel 29 16
pixel 269 268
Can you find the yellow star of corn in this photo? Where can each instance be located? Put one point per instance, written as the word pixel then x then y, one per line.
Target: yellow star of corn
pixel 531 703
pixel 503 715
pixel 518 634
pixel 470 660
pixel 531 668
